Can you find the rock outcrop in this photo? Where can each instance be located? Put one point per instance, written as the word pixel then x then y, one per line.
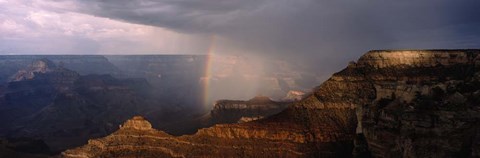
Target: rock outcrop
pixel 37 67
pixel 44 70
pixel 426 103
pixel 388 104
pixel 232 111
pixel 220 141
pixel 294 96
pixel 137 123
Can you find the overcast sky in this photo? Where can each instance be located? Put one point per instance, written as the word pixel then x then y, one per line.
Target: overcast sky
pixel 323 33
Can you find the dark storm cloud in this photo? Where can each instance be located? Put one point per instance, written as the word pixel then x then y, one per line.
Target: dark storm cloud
pixel 327 33
pixel 180 15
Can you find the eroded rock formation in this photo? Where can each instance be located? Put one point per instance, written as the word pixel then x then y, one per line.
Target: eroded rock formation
pixel 426 103
pixel 392 103
pixel 232 111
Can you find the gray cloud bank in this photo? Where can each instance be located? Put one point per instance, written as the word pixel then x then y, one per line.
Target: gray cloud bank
pixel 320 34
pixel 325 32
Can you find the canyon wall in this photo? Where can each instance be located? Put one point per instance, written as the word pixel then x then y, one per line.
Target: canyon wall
pixel 426 103
pixel 419 103
pixel 233 111
pixel 47 102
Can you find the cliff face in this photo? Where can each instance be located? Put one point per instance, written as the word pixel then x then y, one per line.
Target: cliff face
pixel 232 111
pixel 391 103
pixel 426 103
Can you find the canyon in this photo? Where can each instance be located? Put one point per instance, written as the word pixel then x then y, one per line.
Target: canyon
pixel 50 103
pixel 233 111
pixel 389 103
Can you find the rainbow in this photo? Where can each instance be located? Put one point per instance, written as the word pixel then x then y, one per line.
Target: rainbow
pixel 208 72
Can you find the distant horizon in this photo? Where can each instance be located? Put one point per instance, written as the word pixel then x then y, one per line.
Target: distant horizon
pixel 105 54
pixel 168 54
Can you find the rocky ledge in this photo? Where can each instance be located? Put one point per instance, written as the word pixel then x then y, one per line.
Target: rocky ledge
pixel 137 123
pixel 232 111
pixel 419 103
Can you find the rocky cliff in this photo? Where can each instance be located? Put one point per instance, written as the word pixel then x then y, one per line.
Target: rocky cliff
pixel 232 111
pixel 387 104
pixel 426 103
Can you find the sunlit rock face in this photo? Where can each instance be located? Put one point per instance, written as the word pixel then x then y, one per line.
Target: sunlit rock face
pixel 426 103
pixel 391 103
pixel 418 58
pixel 138 123
pixel 294 96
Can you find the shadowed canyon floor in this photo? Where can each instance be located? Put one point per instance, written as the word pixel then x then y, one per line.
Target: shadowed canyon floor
pixel 419 103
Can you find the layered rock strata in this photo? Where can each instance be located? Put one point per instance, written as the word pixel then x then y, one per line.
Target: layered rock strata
pixel 232 111
pixel 392 103
pixel 426 103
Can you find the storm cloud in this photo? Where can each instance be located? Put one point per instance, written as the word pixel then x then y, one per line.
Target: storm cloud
pixel 319 33
pixel 327 32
